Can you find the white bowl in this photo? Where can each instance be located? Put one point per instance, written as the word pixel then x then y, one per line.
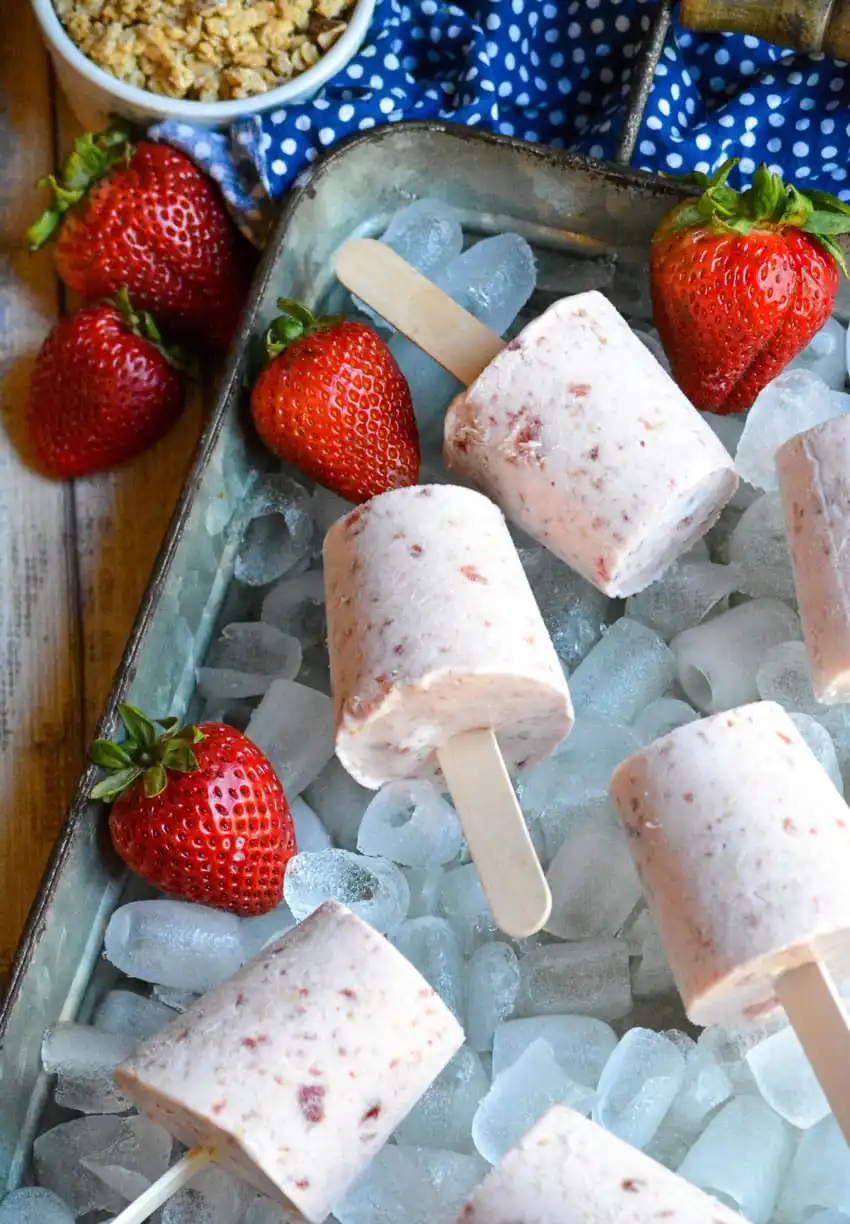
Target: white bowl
pixel 96 96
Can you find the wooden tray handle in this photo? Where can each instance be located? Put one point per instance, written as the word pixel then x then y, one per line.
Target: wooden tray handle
pixel 805 25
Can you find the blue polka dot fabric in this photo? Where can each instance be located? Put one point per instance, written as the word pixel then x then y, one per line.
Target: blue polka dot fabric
pixel 558 73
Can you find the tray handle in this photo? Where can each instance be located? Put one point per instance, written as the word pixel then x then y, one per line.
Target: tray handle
pixel 805 25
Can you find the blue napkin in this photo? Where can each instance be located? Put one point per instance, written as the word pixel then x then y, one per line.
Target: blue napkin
pixel 553 71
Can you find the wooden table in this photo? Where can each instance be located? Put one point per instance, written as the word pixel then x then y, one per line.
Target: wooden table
pixel 74 558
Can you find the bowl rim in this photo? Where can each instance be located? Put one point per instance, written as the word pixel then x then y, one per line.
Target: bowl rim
pixel 187 109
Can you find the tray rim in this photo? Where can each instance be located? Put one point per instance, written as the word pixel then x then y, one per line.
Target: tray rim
pixel 225 388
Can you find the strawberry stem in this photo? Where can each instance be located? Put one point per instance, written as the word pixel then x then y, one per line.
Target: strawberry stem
pixel 143 325
pixel 295 320
pixel 92 158
pixel 145 752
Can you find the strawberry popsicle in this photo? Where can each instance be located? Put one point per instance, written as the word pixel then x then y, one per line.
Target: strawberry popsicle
pixel 433 631
pixel 585 441
pixel 814 482
pixel 295 1071
pixel 567 1170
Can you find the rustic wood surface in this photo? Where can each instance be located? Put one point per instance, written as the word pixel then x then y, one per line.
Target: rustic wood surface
pixel 74 558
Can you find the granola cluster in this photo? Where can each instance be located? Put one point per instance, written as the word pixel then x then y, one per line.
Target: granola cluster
pixel 205 50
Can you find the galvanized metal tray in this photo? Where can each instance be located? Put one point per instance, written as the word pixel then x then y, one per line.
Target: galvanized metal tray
pixel 497 184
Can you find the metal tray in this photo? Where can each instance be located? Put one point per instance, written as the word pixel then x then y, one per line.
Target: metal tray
pixel 497 184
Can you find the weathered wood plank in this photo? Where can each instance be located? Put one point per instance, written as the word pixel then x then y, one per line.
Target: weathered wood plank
pixel 40 697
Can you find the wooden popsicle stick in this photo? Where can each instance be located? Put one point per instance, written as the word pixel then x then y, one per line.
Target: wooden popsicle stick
pixel 496 833
pixel 414 306
pixel 166 1187
pixel 817 1016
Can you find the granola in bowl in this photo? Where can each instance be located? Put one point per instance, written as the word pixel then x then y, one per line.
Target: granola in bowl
pixel 205 50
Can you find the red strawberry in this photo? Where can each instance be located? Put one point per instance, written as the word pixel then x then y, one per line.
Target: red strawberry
pixel 198 813
pixel 103 390
pixel 333 402
pixel 145 217
pixel 741 281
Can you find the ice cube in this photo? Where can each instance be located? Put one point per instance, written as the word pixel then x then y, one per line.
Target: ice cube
pixel 257 933
pixel 705 1086
pixel 784 677
pixel 134 1015
pixel 590 978
pixel 795 401
pixel 174 943
pixel 727 428
pixel 133 1160
pixel 661 717
pixel 431 945
pixel 785 1079
pixel 176 999
pixel 232 711
pixel 741 1158
pixel 296 606
pixel 264 1211
pixel 758 546
pixel 627 669
pixel 408 1185
pixel 593 879
pixel 718 661
pixel 315 671
pixel 279 533
pixel 575 612
pixel 836 720
pixel 463 902
pixel 829 1217
pixel 410 823
pixel 293 725
pixel 825 356
pixel 580 1044
pixel 688 592
pixel 819 1177
pixel 442 1118
pixel 521 1095
pixel 339 801
pixel 57 1154
pixel 328 508
pixel 32 1205
pixel 820 742
pixel 426 234
pixel 425 887
pixel 728 1047
pixel 214 1197
pixel 492 985
pixel 373 888
pixel 310 833
pixel 257 649
pixel 651 975
pixel 83 1059
pixel 638 1085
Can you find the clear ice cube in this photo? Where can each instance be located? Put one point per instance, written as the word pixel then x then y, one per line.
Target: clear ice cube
pixel 279 533
pixel 214 1197
pixel 784 677
pixel 264 1211
pixel 593 879
pixel 83 1059
pixel 687 593
pixel 133 1015
pixel 293 725
pixel 257 933
pixel 492 985
pixel 328 508
pixel 574 611
pixel 718 661
pixel 133 1160
pixel 795 401
pixel 741 1158
pixel 825 355
pixel 836 720
pixel 425 887
pixel 629 667
pixel 581 1045
pixel 520 1096
pixel 373 888
pixel 821 744
pixel 661 717
pixel 256 648
pixel 819 1177
pixel 410 823
pixel 310 833
pixel 432 946
pixel 426 234
pixel 407 1185
pixel 638 1085
pixel 315 670
pixel 728 428
pixel 174 943
pixel 784 1077
pixel 339 801
pixel 296 607
pixel 442 1118
pixel 590 978
pixel 176 999
pixel 463 902
pixel 758 546
pixel 57 1154
pixel 33 1205
pixel 650 974
pixel 705 1086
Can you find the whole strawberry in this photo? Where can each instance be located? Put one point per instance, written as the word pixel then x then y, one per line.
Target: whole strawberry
pixel 741 281
pixel 333 402
pixel 103 389
pixel 198 813
pixel 146 218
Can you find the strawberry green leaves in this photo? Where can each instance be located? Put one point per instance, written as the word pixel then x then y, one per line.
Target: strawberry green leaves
pixel 92 157
pixel 294 321
pixel 148 751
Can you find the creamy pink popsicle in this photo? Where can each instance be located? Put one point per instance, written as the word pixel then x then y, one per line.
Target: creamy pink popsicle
pixel 297 1069
pixel 567 1170
pixel 743 848
pixel 433 631
pixel 585 441
pixel 814 481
